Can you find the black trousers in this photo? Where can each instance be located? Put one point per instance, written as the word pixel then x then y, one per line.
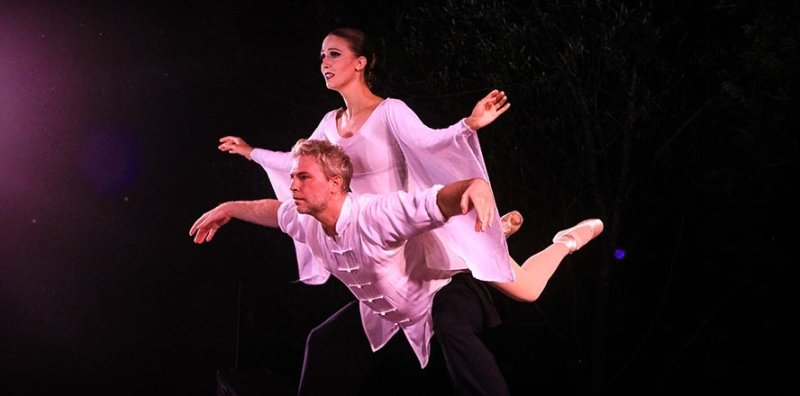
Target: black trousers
pixel 339 360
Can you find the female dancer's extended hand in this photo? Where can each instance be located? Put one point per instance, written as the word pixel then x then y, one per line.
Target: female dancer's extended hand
pixel 235 145
pixel 488 109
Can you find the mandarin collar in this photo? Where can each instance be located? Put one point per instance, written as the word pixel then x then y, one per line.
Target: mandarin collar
pixel 344 215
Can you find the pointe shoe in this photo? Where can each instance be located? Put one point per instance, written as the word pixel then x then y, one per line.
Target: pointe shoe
pixel 576 237
pixel 511 222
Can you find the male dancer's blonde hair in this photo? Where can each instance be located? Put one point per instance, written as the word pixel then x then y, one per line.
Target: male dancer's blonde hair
pixel 331 158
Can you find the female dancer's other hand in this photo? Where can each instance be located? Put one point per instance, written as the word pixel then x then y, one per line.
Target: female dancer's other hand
pixel 488 109
pixel 235 145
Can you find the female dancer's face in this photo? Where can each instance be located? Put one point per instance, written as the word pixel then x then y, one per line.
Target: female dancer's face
pixel 339 64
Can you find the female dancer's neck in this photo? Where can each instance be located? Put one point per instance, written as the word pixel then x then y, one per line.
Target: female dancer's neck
pixel 359 98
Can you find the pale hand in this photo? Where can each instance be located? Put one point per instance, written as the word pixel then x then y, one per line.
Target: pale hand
pixel 488 109
pixel 205 227
pixel 235 145
pixel 480 197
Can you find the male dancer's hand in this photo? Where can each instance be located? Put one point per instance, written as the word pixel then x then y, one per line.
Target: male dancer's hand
pixel 479 196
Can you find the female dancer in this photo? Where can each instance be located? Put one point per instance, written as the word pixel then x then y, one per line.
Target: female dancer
pixel 392 149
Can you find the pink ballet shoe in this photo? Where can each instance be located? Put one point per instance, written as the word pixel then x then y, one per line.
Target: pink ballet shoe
pixel 511 222
pixel 576 237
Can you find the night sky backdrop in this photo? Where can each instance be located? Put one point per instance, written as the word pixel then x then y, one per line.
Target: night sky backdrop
pixel 673 121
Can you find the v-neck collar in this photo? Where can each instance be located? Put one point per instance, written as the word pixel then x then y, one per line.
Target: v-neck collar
pixel 356 133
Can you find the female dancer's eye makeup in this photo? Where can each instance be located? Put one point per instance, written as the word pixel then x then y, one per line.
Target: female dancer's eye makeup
pixel 333 54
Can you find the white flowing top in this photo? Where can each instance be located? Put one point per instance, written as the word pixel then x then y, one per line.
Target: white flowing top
pixel 392 151
pixel 368 254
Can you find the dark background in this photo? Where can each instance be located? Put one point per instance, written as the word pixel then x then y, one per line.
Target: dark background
pixel 673 121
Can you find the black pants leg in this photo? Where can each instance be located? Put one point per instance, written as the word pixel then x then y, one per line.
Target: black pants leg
pixel 339 361
pixel 462 310
pixel 337 355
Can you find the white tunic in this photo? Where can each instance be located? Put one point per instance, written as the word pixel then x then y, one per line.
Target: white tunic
pixel 368 255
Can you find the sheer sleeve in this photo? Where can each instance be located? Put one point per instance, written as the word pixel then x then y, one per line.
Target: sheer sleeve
pixel 410 130
pixel 443 156
pixel 277 165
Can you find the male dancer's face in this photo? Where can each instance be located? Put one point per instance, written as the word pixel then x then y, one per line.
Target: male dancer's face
pixel 310 188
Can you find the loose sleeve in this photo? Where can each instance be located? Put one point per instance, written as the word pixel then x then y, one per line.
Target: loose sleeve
pixel 311 271
pixel 391 219
pixel 443 156
pixel 278 165
pixel 410 130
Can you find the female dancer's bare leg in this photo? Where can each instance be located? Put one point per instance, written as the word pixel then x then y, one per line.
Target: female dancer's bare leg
pixel 533 274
